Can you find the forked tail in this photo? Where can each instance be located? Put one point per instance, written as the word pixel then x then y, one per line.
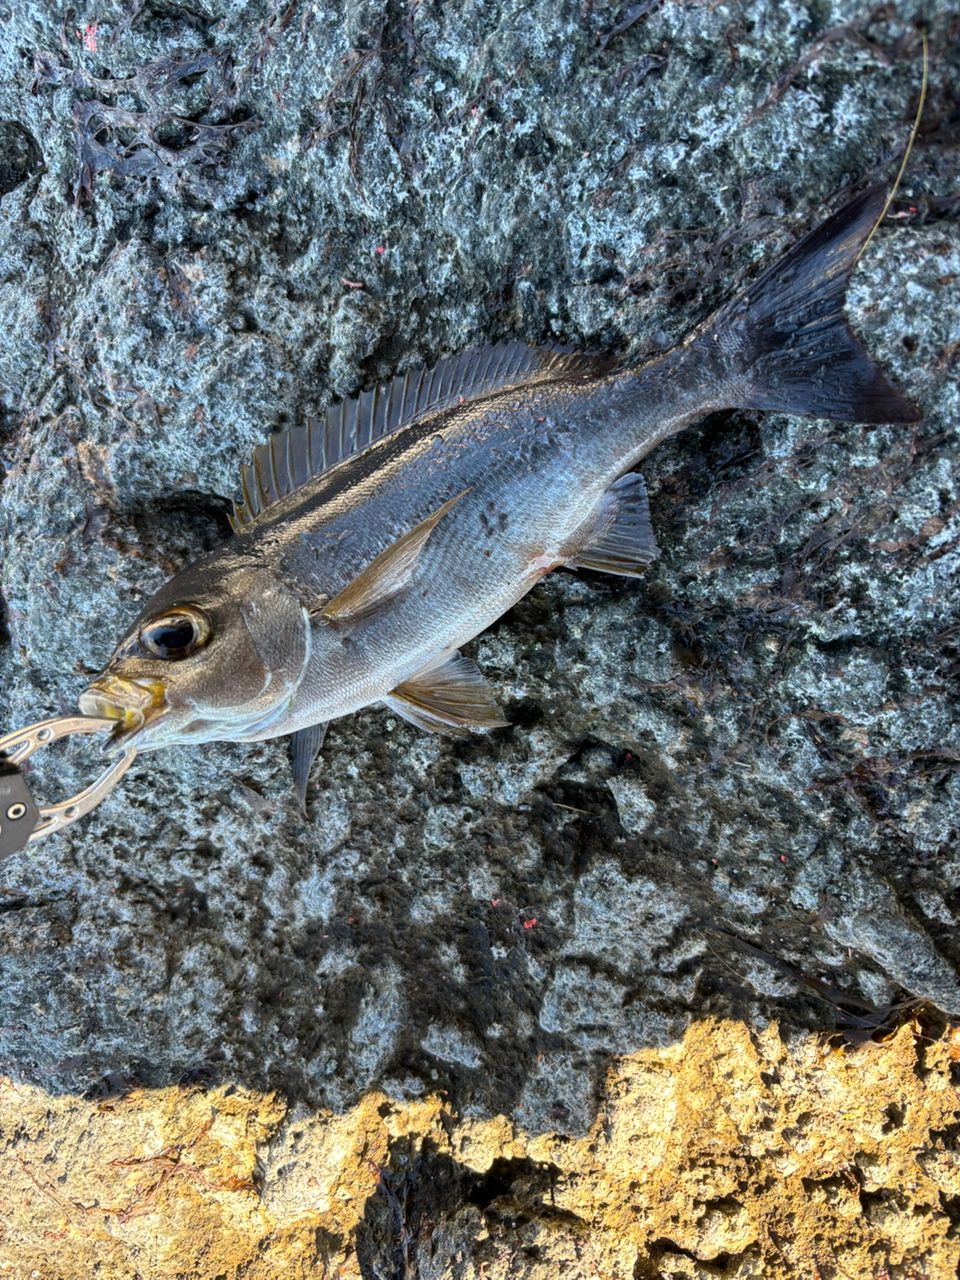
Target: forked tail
pixel 787 342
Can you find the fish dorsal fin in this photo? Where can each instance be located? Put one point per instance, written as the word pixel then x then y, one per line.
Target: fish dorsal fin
pixel 451 697
pixel 386 573
pixel 290 458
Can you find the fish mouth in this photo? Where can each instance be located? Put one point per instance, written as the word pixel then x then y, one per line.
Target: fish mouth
pixel 133 704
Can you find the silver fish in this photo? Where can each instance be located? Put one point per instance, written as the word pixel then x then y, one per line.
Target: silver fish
pixel 371 546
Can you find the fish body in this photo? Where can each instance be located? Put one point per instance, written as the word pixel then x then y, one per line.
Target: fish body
pixel 524 470
pixel 370 547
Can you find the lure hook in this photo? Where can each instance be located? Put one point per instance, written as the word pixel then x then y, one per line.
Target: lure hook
pixel 18 746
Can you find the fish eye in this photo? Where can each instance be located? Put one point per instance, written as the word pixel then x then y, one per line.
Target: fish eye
pixel 175 634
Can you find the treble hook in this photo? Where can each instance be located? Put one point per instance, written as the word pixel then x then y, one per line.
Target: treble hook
pixel 17 747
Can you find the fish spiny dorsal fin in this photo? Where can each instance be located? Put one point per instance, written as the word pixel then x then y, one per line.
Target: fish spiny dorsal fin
pixel 451 697
pixel 291 458
pixel 386 573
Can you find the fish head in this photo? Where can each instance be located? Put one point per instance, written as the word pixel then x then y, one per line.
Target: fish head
pixel 217 654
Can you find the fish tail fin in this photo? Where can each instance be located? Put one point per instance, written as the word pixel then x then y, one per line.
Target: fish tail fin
pixel 787 342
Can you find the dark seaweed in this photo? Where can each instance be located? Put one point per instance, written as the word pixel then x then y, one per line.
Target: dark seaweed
pixel 177 149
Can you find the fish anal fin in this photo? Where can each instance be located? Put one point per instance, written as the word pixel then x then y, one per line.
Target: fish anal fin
pixel 619 536
pixel 452 697
pixel 305 744
pixel 384 576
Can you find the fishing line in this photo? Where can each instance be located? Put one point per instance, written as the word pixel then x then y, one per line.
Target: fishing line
pixel 910 142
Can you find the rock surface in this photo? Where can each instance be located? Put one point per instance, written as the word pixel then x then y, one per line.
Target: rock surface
pixel 731 790
pixel 727 1154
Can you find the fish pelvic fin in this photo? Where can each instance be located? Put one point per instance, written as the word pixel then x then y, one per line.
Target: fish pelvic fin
pixel 786 340
pixel 387 573
pixel 619 536
pixel 305 745
pixel 452 697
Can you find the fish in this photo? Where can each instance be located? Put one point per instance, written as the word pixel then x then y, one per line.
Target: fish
pixel 371 545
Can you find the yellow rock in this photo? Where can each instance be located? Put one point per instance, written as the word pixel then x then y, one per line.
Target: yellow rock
pixel 730 1153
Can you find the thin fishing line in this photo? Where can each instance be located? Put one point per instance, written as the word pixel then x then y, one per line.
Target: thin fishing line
pixel 910 141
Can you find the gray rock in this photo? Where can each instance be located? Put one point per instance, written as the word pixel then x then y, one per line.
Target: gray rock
pixel 724 782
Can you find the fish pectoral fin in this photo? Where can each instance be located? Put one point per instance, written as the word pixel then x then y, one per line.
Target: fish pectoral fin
pixel 619 534
pixel 452 697
pixel 386 573
pixel 304 747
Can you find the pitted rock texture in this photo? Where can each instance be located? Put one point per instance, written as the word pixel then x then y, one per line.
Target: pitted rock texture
pixel 730 789
pixel 727 1154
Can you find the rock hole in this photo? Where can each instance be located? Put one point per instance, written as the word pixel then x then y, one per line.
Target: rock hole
pixel 951 1207
pixel 20 156
pixel 728 1206
pixel 895 1117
